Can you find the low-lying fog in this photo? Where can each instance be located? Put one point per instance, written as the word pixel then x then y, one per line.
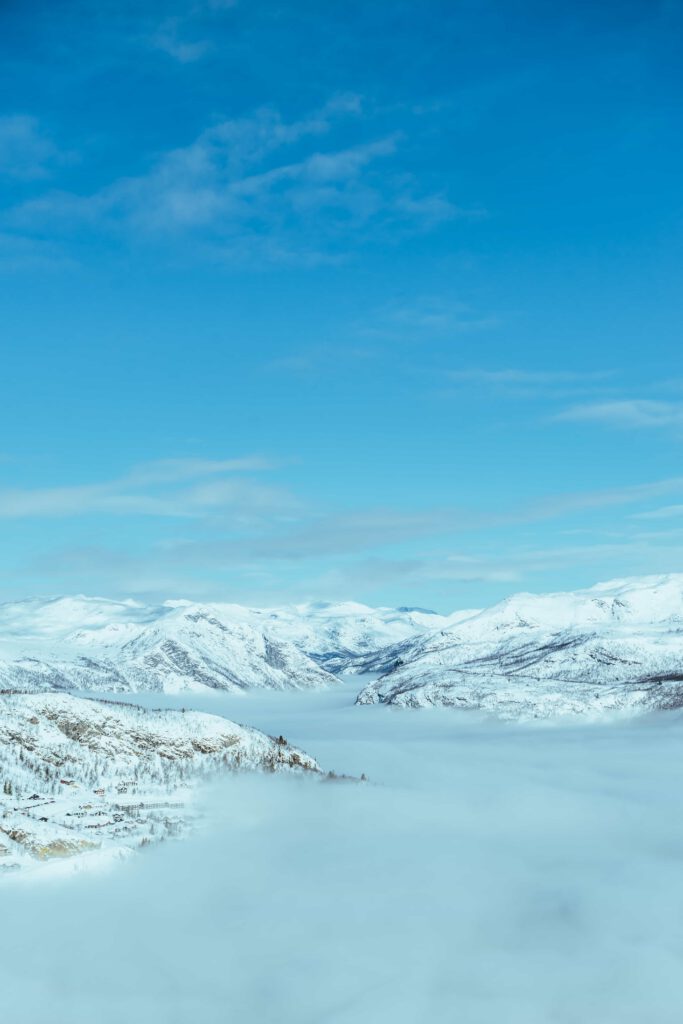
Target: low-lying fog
pixel 490 874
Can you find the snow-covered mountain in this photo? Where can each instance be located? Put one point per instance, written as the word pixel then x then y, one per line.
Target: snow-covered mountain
pixel 82 643
pixel 339 636
pixel 617 646
pixel 98 644
pixel 80 775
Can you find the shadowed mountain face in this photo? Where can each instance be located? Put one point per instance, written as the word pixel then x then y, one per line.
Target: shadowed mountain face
pixel 615 647
pixel 338 636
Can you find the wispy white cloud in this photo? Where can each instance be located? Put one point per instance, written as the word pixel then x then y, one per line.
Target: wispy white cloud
pixel 667 512
pixel 369 574
pixel 244 186
pixel 565 504
pixel 237 528
pixel 425 317
pixel 627 413
pixel 23 252
pixel 177 34
pixel 525 377
pixel 514 563
pixel 313 533
pixel 321 359
pixel 434 209
pixel 358 530
pixel 176 470
pixel 26 152
pixel 169 38
pixel 153 489
pixel 553 385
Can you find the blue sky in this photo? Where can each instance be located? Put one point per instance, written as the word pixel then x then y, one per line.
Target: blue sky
pixel 320 301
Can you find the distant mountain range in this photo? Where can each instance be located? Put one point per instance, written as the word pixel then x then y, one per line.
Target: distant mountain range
pixel 80 776
pixel 617 646
pixel 96 644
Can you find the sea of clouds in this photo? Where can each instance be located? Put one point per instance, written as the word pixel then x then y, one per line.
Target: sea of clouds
pixel 489 873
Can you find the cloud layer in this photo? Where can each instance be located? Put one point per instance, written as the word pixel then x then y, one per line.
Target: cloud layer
pixel 257 186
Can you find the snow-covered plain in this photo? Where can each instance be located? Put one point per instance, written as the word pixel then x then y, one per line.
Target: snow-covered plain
pixel 492 873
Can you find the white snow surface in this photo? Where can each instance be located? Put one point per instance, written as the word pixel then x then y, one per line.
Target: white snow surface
pixel 79 776
pixel 95 643
pixel 339 634
pixel 617 646
pixel 88 643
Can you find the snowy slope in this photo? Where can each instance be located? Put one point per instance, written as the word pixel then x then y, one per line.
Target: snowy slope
pixel 614 646
pixel 94 644
pixel 80 775
pixel 617 646
pixel 339 636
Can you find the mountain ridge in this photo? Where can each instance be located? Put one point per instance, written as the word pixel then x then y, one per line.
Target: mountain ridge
pixel 81 776
pixel 99 643
pixel 547 652
pixel 617 646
